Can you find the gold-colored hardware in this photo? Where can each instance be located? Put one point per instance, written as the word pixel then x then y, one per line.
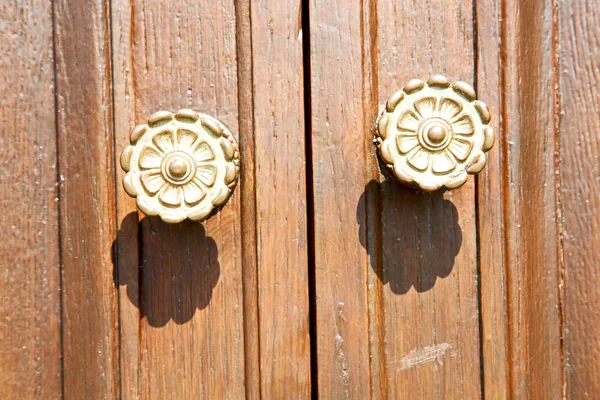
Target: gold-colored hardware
pixel 433 134
pixel 180 165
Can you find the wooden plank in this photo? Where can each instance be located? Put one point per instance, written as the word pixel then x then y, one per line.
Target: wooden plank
pixel 248 199
pixel 340 151
pixel 429 241
pixel 87 206
pixel 191 333
pixel 30 343
pixel 579 160
pixel 126 247
pixel 529 186
pixel 490 208
pixel 280 178
pixel 370 224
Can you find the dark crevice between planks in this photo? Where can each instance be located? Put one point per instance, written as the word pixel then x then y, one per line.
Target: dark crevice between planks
pixel 116 167
pixel 505 177
pixel 310 206
pixel 58 195
pixel 246 129
pixel 477 214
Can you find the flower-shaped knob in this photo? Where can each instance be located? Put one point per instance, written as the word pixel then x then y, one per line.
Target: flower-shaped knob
pixel 433 134
pixel 180 165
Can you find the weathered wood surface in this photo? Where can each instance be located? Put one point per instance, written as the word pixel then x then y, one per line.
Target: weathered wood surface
pixel 280 179
pixel 167 56
pixel 579 113
pixel 125 248
pixel 339 156
pixel 30 341
pixel 248 200
pixel 410 258
pixel 490 208
pixel 429 242
pixel 198 302
pixel 528 150
pixel 488 291
pixel 87 199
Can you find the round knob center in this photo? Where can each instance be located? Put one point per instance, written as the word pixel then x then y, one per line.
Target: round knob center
pixel 178 168
pixel 437 134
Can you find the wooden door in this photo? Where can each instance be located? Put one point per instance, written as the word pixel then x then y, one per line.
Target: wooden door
pixel 322 277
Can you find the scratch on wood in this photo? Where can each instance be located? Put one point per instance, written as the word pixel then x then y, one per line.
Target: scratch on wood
pixel 339 351
pixel 427 354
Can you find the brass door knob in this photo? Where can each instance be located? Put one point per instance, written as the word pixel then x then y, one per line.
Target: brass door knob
pixel 180 165
pixel 433 134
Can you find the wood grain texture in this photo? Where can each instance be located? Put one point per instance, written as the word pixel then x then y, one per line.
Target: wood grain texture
pixel 87 206
pixel 280 178
pixel 126 248
pixel 487 291
pixel 248 199
pixel 360 57
pixel 428 241
pixel 30 343
pixel 579 68
pixel 529 189
pixel 340 150
pixel 189 287
pixel 490 206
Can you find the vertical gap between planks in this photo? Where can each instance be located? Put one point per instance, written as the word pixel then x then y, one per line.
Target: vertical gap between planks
pixel 310 206
pixel 58 194
pixel 503 124
pixel 116 350
pixel 115 249
pixel 246 130
pixel 477 214
pixel 140 230
pixel 557 111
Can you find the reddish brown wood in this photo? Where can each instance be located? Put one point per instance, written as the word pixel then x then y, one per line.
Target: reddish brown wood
pixel 190 284
pixel 580 187
pixel 490 206
pixel 30 343
pixel 125 248
pixel 248 200
pixel 488 291
pixel 529 190
pixel 340 151
pixel 371 226
pixel 429 241
pixel 87 205
pixel 414 241
pixel 280 178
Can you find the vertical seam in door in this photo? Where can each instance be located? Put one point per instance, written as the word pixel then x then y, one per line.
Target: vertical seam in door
pixel 140 238
pixel 557 112
pixel 310 223
pixel 108 12
pixel 477 233
pixel 504 184
pixel 58 193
